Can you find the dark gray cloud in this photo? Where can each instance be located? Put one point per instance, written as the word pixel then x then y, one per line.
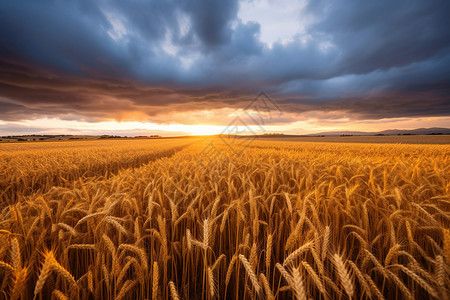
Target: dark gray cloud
pixel 211 20
pixel 104 59
pixel 380 35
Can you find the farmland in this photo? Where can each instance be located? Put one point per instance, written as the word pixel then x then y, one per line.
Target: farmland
pixel 386 139
pixel 208 219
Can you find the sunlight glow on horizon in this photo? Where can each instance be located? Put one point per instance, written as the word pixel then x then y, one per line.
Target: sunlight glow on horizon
pixel 69 127
pixel 54 126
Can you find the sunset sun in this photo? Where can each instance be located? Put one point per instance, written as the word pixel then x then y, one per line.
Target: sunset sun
pixel 204 130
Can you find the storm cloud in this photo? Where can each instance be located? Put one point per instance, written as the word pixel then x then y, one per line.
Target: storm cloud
pixel 140 59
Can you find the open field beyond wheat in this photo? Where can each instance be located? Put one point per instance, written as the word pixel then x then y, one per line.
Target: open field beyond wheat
pixel 387 139
pixel 165 219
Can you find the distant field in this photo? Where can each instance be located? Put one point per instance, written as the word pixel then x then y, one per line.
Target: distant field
pixel 394 139
pixel 28 167
pixel 191 219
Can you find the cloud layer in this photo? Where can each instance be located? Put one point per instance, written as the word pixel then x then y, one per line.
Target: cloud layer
pixel 138 60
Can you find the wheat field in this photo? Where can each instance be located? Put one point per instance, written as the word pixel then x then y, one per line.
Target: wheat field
pixel 165 219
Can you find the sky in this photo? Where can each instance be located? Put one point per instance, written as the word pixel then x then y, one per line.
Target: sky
pixel 167 67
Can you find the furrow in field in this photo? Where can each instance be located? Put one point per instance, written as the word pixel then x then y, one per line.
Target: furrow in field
pixel 39 172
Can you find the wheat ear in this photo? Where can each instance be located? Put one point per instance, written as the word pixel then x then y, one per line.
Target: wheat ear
pixel 155 281
pixel 218 260
pixel 60 295
pixel 297 253
pixel 230 269
pixel 440 270
pixel 64 273
pixel 267 289
pixel 211 282
pixel 361 278
pixel 343 275
pixel 391 254
pixel 6 266
pixel 128 285
pixel 285 274
pixel 326 242
pixel 315 277
pixel 373 286
pixel 90 281
pixel 206 236
pixel 45 272
pixel 250 273
pixel 173 291
pixel 15 254
pixel 419 280
pixel 446 234
pixel 298 285
pixel 19 283
pixel 269 251
pixel 139 251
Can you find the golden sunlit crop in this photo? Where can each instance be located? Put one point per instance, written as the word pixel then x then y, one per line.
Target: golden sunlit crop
pixel 165 219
